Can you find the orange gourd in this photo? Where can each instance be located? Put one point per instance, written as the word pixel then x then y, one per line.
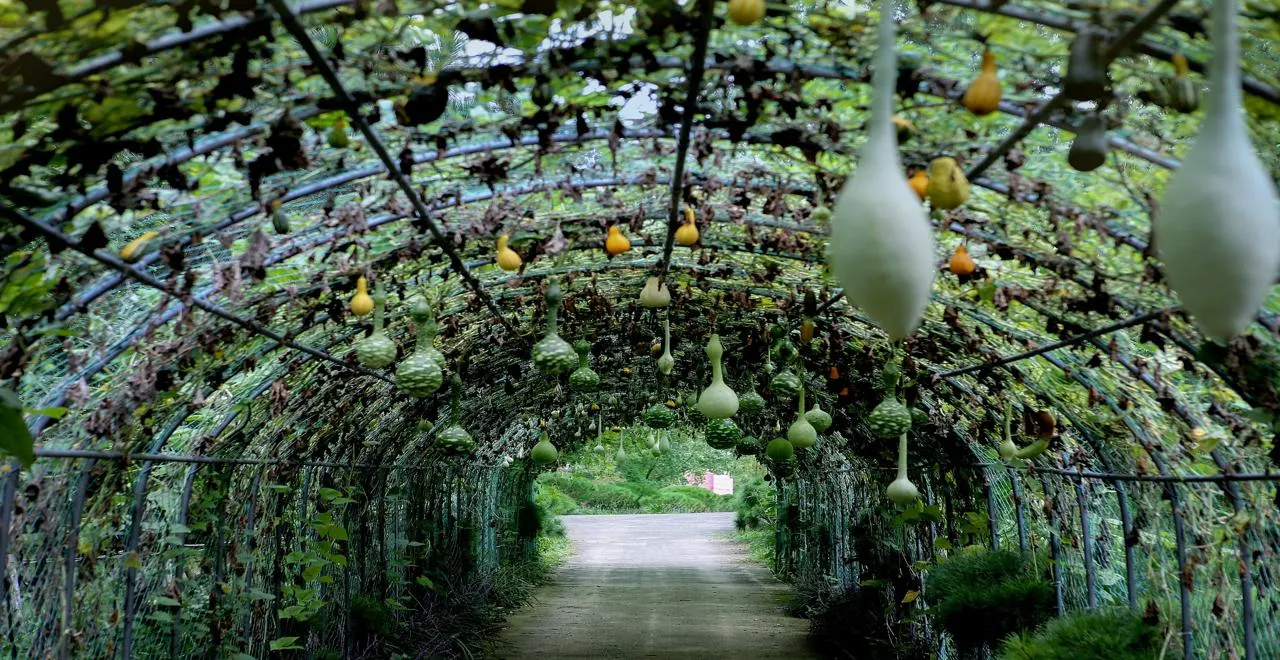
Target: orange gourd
pixel 687 234
pixel 508 259
pixel 983 96
pixel 961 263
pixel 615 243
pixel 919 183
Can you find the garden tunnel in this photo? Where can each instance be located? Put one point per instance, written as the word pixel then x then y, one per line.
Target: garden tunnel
pixel 209 452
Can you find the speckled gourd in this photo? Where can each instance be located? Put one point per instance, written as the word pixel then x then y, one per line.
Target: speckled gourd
pixel 584 378
pixel 377 350
pixel 553 355
pixel 722 433
pixel 420 374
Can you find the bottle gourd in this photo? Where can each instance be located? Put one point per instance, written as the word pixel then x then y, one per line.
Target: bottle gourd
pixel 507 258
pixel 687 232
pixel 420 374
pixel 1218 229
pixel 881 245
pixel 983 95
pixel 362 302
pixel 615 243
pixel 553 355
pixel 1086 77
pixel 948 188
pixel 717 401
pixel 377 350
pixel 1089 149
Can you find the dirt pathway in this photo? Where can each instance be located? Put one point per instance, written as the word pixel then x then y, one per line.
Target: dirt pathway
pixel 656 586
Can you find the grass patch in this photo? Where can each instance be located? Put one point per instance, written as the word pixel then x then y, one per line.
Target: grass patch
pixel 759 542
pixel 1118 634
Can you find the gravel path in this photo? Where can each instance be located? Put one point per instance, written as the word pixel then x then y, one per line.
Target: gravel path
pixel 656 586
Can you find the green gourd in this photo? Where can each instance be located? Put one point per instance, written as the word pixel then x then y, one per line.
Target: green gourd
pixel 1086 77
pixel 801 433
pixel 279 220
pixel 751 402
pixel 1183 92
pixel 1007 449
pixel 786 384
pixel 780 449
pixel 664 443
pixel 666 363
pixel 455 439
pixel 819 418
pixel 377 350
pixel 722 433
pixel 718 401
pixel 658 416
pixel 890 418
pixel 553 355
pixel 544 453
pixel 1089 149
pixel 583 379
pixel 748 444
pixel 420 374
pixel 902 492
pixel 431 328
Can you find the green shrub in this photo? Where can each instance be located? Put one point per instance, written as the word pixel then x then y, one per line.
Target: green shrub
pixel 552 499
pixel 754 503
pixel 982 596
pixel 864 622
pixel 1118 634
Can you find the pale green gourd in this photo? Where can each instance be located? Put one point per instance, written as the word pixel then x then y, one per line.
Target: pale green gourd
pixel 544 453
pixel 718 401
pixel 801 433
pixel 819 418
pixel 666 363
pixel 1007 449
pixel 902 492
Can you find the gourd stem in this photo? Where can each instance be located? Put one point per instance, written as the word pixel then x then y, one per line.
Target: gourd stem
pixel 379 304
pixel 666 333
pixel 455 413
pixel 1224 103
pixel 800 407
pixel 553 313
pixel 883 79
pixel 902 456
pixel 1008 414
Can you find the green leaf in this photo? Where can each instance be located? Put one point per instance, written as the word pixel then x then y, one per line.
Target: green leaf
pixel 162 617
pixel 55 412
pixel 165 601
pixel 242 656
pixel 285 644
pixel 15 438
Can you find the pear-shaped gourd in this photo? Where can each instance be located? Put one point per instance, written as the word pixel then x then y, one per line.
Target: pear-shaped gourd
pixel 544 453
pixel 948 188
pixel 881 245
pixel 584 378
pixel 718 401
pixel 338 138
pixel 746 12
pixel 1007 449
pixel 801 433
pixel 751 402
pixel 455 439
pixel 655 294
pixel 664 444
pixel 786 383
pixel 983 94
pixel 1086 77
pixel 508 259
pixel 666 363
pixel 1218 226
pixel 615 243
pixel 377 350
pixel 780 449
pixel 961 264
pixel 819 418
pixel 687 233
pixel 420 374
pixel 362 302
pixel 279 219
pixel 902 492
pixel 553 355
pixel 1089 149
pixel 622 453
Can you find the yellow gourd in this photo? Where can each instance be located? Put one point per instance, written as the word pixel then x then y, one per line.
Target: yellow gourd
pixel 507 258
pixel 983 95
pixel 615 243
pixel 746 12
pixel 948 188
pixel 687 234
pixel 961 263
pixel 138 247
pixel 362 302
pixel 920 183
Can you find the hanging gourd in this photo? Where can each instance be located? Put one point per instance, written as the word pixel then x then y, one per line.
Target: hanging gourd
pixel 718 401
pixel 881 244
pixel 659 416
pixel 722 433
pixel 420 373
pixel 139 247
pixel 553 355
pixel 786 383
pixel 780 449
pixel 801 433
pixel 454 438
pixel 664 444
pixel 902 492
pixel 338 138
pixel 615 243
pixel 655 294
pixel 983 95
pixel 807 323
pixel 748 445
pixel 666 363
pixel 818 418
pixel 751 402
pixel 544 453
pixel 1086 77
pixel 377 350
pixel 428 345
pixel 687 233
pixel 622 453
pixel 1007 450
pixel 507 258
pixel 1217 231
pixel 961 264
pixel 948 187
pixel 1089 149
pixel 361 302
pixel 920 183
pixel 279 219
pixel 1184 94
pixel 890 418
pixel 746 12
pixel 583 379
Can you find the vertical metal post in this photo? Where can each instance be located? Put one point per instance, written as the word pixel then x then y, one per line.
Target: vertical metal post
pixel 180 573
pixel 1126 528
pixel 1019 511
pixel 1055 550
pixel 248 544
pixel 991 510
pixel 8 496
pixel 69 554
pixel 1184 574
pixel 1090 571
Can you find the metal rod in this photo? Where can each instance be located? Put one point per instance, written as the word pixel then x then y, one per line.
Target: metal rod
pixel 701 35
pixel 56 236
pixel 1126 528
pixel 1114 49
pixel 352 109
pixel 1086 534
pixel 991 510
pixel 209 460
pixel 70 552
pixel 1055 549
pixel 1019 511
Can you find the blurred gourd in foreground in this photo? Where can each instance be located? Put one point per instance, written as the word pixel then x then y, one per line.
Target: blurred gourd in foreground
pixel 746 12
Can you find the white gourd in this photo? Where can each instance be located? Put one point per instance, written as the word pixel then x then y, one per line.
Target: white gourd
pixel 718 401
pixel 902 492
pixel 1218 229
pixel 801 433
pixel 666 363
pixel 881 246
pixel 1007 450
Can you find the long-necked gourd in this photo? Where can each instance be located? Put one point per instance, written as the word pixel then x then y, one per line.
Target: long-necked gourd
pixel 718 400
pixel 1218 228
pixel 377 350
pixel 881 246
pixel 1007 449
pixel 553 355
pixel 420 374
pixel 801 433
pixel 902 492
pixel 584 378
pixel 890 418
pixel 666 363
pixel 655 293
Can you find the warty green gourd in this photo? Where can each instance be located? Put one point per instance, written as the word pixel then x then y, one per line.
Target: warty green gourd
pixel 377 350
pixel 881 244
pixel 1218 228
pixel 553 355
pixel 420 374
